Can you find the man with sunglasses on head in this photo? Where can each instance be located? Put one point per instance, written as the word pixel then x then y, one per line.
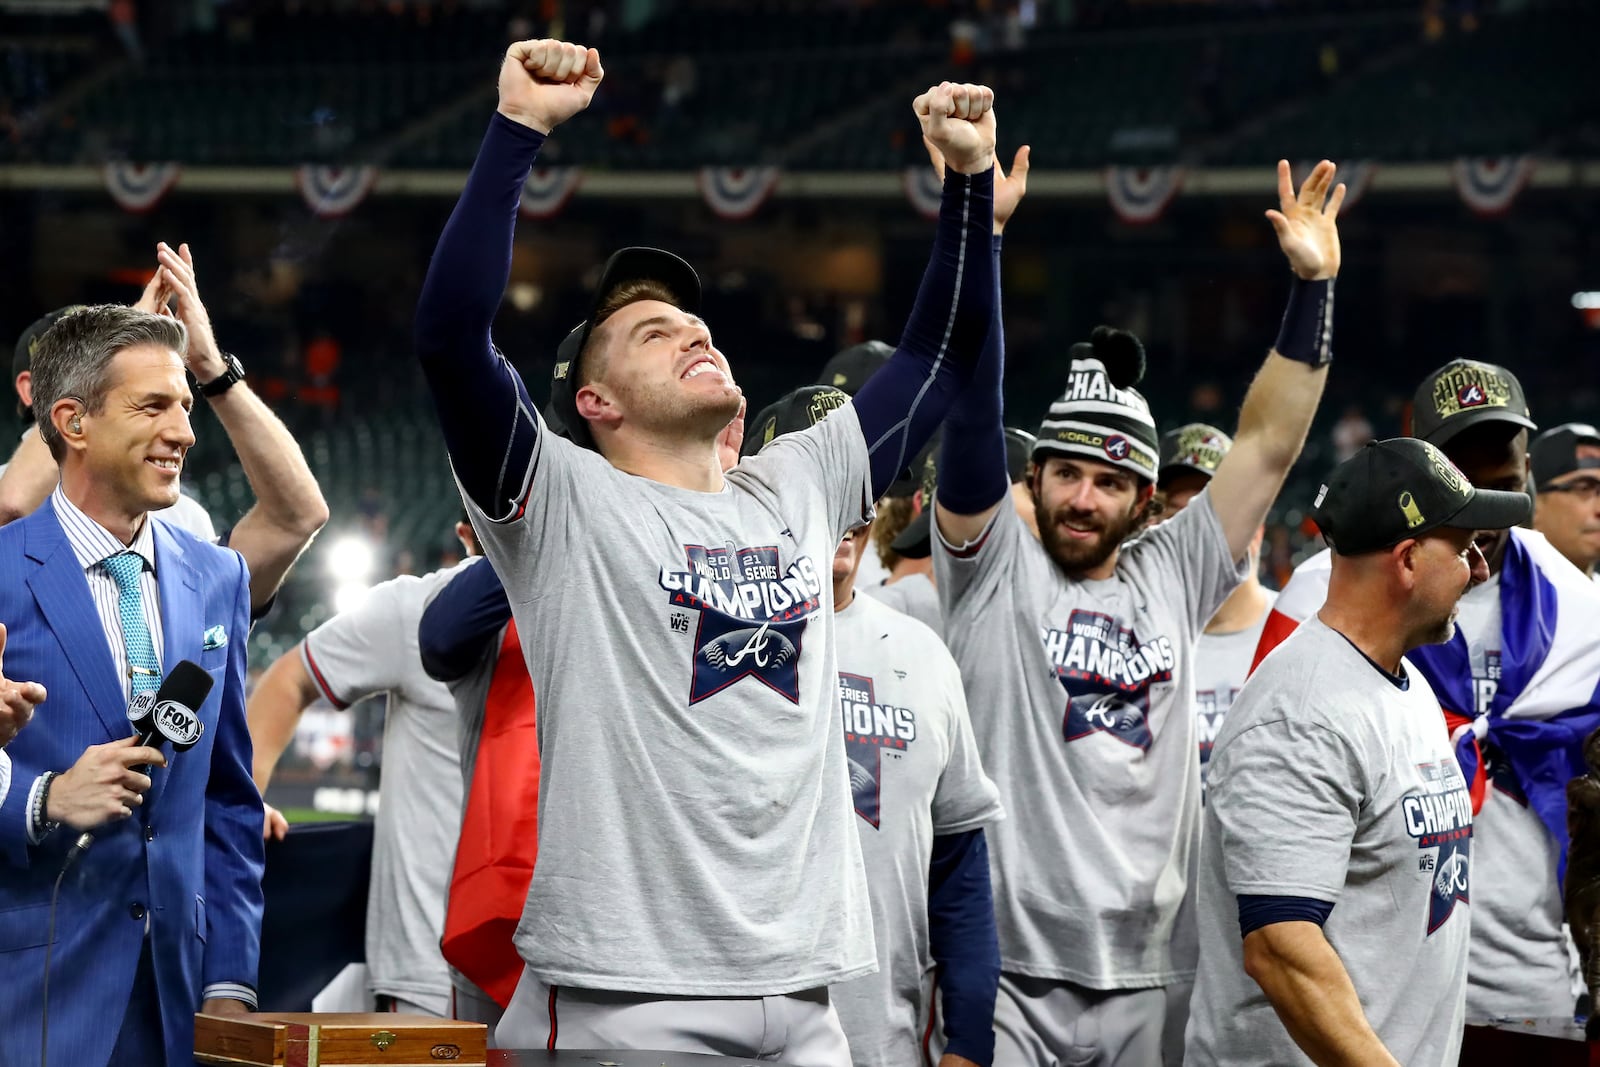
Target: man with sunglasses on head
pixel 1565 464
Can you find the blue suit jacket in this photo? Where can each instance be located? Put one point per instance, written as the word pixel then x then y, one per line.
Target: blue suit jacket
pixel 191 855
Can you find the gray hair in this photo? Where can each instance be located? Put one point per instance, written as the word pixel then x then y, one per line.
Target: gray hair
pixel 74 357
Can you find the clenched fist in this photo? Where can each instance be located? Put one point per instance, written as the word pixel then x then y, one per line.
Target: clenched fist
pixel 958 121
pixel 545 83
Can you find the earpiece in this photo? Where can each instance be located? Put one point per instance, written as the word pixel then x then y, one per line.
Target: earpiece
pixel 77 424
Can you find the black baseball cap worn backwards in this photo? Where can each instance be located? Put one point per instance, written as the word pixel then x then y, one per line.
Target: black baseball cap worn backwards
pixel 1555 452
pixel 627 265
pixel 1401 488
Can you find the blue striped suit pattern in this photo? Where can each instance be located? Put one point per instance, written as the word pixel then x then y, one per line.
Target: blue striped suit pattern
pixel 191 857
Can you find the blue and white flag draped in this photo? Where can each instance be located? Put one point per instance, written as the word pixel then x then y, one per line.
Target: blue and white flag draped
pixel 1546 703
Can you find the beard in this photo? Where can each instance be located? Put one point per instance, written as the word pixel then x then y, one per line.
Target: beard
pixel 1074 556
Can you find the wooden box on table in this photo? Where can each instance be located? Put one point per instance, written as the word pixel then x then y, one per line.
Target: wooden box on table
pixel 325 1039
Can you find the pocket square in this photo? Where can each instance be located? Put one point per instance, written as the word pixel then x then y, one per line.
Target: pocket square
pixel 216 637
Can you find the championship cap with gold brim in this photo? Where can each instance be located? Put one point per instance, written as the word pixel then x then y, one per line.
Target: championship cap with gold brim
pixel 1465 393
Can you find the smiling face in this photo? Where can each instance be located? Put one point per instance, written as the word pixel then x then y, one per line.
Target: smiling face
pixel 1492 456
pixel 1085 510
pixel 651 367
pixel 131 450
pixel 1444 564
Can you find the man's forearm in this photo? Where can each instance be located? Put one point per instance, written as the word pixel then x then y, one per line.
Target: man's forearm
pixel 29 479
pixel 1311 992
pixel 483 407
pixel 274 710
pixel 901 405
pixel 289 508
pixel 964 942
pixel 973 476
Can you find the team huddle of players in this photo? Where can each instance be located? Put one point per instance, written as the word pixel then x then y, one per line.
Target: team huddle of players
pixel 871 731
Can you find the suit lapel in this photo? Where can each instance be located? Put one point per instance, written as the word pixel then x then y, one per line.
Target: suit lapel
pixel 181 622
pixel 61 590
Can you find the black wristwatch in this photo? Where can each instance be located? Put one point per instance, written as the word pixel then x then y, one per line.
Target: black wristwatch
pixel 233 372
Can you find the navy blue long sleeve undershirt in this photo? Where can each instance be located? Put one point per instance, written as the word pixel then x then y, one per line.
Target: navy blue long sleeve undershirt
pixel 973 475
pixel 462 622
pixel 483 405
pixel 902 405
pixel 964 942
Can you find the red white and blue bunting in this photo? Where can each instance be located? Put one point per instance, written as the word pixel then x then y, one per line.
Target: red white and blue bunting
pixel 331 192
pixel 547 191
pixel 924 190
pixel 737 192
pixel 1139 195
pixel 1488 184
pixel 139 187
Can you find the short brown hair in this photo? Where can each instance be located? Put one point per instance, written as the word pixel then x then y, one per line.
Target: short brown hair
pixel 590 363
pixel 74 357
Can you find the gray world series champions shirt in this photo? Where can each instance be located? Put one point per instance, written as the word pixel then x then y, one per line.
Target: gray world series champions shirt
pixel 696 835
pixel 1329 781
pixel 1081 695
pixel 914 774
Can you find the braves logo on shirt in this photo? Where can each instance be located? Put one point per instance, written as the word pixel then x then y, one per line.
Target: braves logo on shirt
pixel 1439 817
pixel 1210 708
pixel 870 728
pixel 1107 671
pixel 752 616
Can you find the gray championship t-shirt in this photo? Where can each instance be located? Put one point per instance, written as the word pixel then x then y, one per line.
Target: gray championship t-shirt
pixel 1082 702
pixel 1329 781
pixel 360 653
pixel 913 595
pixel 695 829
pixel 1519 966
pixel 914 772
pixel 1221 664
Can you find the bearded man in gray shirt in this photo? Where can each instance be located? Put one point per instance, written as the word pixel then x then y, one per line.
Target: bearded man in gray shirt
pixel 1077 651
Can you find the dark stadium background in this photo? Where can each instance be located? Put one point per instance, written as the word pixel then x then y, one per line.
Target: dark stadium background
pixel 243 93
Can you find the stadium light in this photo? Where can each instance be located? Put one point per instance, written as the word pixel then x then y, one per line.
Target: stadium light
pixel 351 559
pixel 349 596
pixel 1586 301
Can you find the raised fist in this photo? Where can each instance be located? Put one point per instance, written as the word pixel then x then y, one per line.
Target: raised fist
pixel 545 83
pixel 958 121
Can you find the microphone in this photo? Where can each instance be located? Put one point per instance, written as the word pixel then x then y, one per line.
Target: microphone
pixel 167 715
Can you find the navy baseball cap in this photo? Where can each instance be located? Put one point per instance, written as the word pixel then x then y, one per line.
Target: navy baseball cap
pixel 627 265
pixel 1019 450
pixel 28 343
pixel 850 369
pixel 1555 452
pixel 1465 393
pixel 1404 487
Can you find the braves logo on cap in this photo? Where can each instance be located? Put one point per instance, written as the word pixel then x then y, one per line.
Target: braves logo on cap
pixel 1116 447
pixel 1471 396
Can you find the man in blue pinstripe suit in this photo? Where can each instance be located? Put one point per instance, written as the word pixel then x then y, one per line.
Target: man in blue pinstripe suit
pixel 161 917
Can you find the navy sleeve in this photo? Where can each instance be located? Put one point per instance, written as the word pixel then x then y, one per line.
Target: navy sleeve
pixel 973 475
pixel 902 405
pixel 964 942
pixel 461 624
pixel 484 409
pixel 1258 911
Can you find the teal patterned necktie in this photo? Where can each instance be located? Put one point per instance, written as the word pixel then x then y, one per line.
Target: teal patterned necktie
pixel 143 668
